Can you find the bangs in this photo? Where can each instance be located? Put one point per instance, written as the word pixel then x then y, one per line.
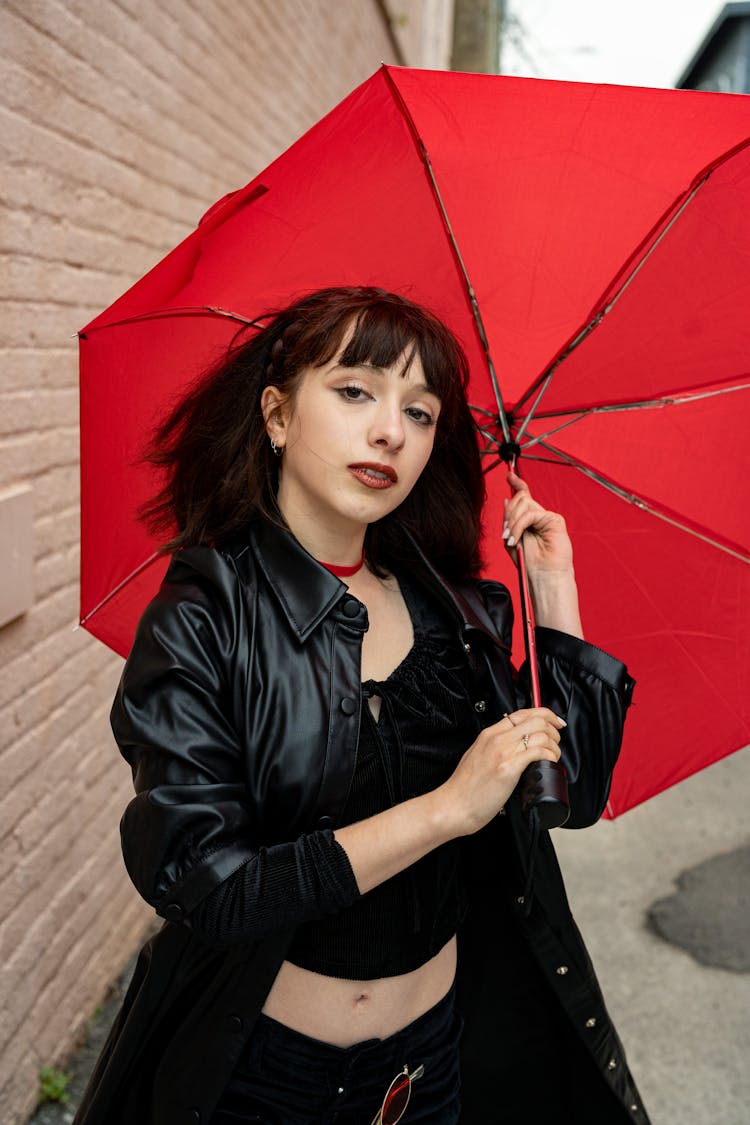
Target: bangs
pixel 386 332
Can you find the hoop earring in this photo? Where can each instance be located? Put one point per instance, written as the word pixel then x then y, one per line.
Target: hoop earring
pixel 277 450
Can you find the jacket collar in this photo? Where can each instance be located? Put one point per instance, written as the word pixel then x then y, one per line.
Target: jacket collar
pixel 307 592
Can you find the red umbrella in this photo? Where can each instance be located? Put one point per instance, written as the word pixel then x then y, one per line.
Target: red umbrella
pixel 590 247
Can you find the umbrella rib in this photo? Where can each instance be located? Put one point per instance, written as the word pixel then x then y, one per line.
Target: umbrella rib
pixel 675 400
pixel 476 313
pixel 188 310
pixel 530 415
pixel 492 439
pixel 639 502
pixel 643 404
pixel 555 429
pixel 128 578
pixel 599 316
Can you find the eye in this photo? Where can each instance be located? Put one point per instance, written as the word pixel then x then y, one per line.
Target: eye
pixel 420 416
pixel 352 393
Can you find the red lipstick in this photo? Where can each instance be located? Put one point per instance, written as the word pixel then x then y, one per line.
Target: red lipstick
pixel 373 474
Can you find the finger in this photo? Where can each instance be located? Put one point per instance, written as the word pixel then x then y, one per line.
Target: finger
pixel 532 731
pixel 539 730
pixel 527 509
pixel 523 504
pixel 513 532
pixel 548 737
pixel 519 501
pixel 513 722
pixel 531 754
pixel 518 484
pixel 529 515
pixel 536 722
pixel 546 713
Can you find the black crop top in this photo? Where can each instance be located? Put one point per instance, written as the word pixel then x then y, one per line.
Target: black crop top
pixel 426 723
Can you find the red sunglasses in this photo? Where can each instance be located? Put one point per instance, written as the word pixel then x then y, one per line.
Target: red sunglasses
pixel 397 1097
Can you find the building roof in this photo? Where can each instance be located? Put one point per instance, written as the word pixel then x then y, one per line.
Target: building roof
pixel 729 12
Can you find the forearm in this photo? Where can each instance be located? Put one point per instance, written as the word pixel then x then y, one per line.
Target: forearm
pixel 282 885
pixel 391 841
pixel 555 600
pixel 292 883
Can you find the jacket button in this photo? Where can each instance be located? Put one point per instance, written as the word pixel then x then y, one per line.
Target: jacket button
pixel 348 706
pixel 611 1065
pixel 325 822
pixel 174 912
pixel 634 1108
pixel 350 607
pixel 561 970
pixel 234 1023
pixel 480 706
pixel 591 1022
pixel 467 647
pixel 192 1117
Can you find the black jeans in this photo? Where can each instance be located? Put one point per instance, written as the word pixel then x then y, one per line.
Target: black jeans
pixel 285 1078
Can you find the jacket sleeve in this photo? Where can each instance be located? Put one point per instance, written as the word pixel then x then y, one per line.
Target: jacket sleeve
pixel 188 829
pixel 591 690
pixel 588 688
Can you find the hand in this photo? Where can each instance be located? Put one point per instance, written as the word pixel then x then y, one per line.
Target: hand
pixel 490 769
pixel 547 547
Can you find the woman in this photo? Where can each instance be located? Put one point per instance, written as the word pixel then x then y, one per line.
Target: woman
pixel 327 738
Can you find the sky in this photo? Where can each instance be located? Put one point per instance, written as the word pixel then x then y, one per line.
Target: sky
pixel 626 42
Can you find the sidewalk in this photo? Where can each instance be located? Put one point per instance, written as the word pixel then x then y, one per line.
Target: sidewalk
pixel 685 1024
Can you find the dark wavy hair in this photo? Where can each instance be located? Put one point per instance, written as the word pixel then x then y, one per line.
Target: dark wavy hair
pixel 219 469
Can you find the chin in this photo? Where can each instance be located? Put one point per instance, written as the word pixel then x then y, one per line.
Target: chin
pixel 367 511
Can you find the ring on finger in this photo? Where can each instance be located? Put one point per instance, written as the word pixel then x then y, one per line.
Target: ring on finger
pixel 525 740
pixel 507 716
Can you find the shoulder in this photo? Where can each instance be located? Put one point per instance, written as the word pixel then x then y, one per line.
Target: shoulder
pixel 198 605
pixel 492 603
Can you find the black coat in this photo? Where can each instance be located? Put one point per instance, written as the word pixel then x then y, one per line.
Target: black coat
pixel 238 710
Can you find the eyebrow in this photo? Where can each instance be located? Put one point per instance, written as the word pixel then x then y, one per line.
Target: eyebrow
pixel 420 388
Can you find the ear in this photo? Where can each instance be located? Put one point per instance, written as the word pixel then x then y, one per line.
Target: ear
pixel 275 407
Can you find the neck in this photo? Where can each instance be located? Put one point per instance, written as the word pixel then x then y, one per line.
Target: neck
pixel 343 571
pixel 341 545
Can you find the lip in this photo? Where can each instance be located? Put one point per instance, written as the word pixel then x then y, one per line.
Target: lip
pixel 359 470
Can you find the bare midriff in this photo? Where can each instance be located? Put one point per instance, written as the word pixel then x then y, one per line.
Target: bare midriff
pixel 344 1012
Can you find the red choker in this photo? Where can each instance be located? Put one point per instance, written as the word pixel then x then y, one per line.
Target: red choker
pixel 344 571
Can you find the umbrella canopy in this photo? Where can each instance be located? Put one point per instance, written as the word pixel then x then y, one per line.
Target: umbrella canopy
pixel 590 247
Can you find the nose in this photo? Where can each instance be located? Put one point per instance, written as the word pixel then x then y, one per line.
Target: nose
pixel 387 429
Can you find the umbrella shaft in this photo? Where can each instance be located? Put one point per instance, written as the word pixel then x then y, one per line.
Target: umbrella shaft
pixel 527 610
pixel 544 785
pixel 528 626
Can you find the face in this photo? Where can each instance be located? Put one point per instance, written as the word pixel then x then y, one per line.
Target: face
pixel 355 441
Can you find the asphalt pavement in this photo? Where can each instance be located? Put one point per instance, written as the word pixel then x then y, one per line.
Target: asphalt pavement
pixel 662 895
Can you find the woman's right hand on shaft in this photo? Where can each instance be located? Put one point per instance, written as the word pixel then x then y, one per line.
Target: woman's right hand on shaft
pixel 481 783
pixel 490 769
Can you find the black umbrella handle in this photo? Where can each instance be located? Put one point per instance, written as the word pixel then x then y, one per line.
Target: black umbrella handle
pixel 543 785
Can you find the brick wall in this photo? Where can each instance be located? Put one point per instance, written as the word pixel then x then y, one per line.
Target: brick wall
pixel 119 123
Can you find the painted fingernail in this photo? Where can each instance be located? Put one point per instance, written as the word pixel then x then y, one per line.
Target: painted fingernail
pixel 561 721
pixel 506 531
pixel 511 541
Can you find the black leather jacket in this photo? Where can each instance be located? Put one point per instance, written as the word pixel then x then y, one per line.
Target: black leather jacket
pixel 238 710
